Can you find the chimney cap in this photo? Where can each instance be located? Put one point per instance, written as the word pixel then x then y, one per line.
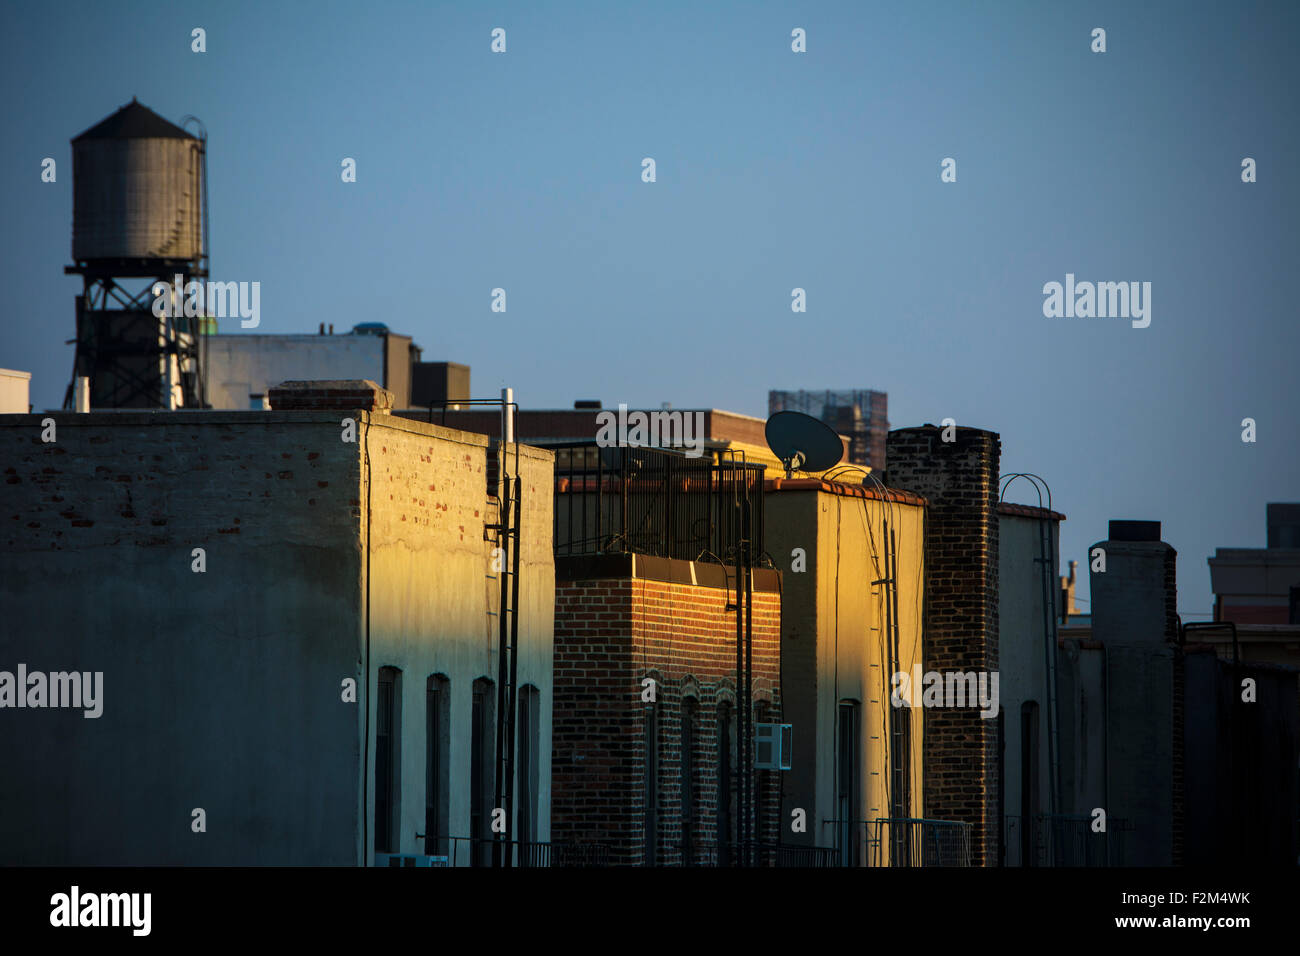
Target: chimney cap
pixel 1121 530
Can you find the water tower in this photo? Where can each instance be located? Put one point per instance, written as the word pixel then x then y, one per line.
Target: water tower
pixel 139 218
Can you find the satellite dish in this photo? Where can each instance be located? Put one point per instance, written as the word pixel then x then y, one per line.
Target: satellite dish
pixel 803 443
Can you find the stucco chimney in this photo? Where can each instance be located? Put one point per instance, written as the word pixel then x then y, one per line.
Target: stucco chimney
pixel 1135 600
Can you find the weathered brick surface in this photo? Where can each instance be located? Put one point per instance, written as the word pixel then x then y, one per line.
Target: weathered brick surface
pixel 960 481
pixel 610 633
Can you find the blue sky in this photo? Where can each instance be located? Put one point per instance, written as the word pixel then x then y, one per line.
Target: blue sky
pixel 775 170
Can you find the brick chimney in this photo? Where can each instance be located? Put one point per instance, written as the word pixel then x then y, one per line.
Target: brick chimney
pixel 333 394
pixel 960 481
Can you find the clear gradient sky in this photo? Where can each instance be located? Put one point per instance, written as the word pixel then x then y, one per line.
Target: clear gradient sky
pixel 775 170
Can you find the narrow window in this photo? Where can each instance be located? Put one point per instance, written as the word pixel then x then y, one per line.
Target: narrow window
pixel 387 759
pixel 902 763
pixel 848 783
pixel 688 781
pixel 725 788
pixel 480 773
pixel 436 781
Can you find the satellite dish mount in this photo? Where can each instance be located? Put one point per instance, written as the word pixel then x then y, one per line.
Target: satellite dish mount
pixel 803 443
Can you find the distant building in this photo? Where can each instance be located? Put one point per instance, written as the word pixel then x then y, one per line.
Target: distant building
pixel 14 392
pixel 1261 585
pixel 242 367
pixel 1066 606
pixel 1156 730
pixel 724 432
pixel 859 414
pixel 297 635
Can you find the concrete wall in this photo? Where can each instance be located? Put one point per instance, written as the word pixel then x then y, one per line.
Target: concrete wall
pixel 222 690
pixel 1119 733
pixel 1081 678
pixel 832 643
pixel 1241 763
pixel 243 363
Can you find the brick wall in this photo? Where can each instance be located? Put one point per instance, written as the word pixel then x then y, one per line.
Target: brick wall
pixel 960 481
pixel 613 630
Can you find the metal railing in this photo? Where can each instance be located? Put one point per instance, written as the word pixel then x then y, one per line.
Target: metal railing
pixel 653 501
pixel 478 851
pixel 759 854
pixel 1063 840
pixel 910 841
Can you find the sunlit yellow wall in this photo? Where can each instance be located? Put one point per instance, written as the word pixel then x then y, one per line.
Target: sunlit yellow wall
pixel 833 645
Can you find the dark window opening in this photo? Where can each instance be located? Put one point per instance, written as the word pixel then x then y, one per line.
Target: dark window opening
pixel 387 758
pixel 848 782
pixel 436 780
pixel 688 781
pixel 480 773
pixel 726 788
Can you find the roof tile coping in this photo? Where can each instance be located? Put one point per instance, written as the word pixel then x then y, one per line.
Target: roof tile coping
pixel 843 488
pixel 1028 511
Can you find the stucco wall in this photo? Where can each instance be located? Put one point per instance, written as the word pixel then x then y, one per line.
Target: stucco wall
pixel 435 600
pixel 221 689
pixel 1022 655
pixel 833 632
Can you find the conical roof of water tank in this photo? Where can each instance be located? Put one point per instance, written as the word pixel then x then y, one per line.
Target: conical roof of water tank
pixel 134 121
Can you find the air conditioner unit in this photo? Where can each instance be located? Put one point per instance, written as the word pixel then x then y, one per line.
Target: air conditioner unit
pixel 409 859
pixel 773 746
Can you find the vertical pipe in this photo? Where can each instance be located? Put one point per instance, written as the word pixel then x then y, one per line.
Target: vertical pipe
pixel 1049 664
pixel 507 420
pixel 740 700
pixel 902 795
pixel 749 676
pixel 503 542
pixel 891 667
pixel 511 701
